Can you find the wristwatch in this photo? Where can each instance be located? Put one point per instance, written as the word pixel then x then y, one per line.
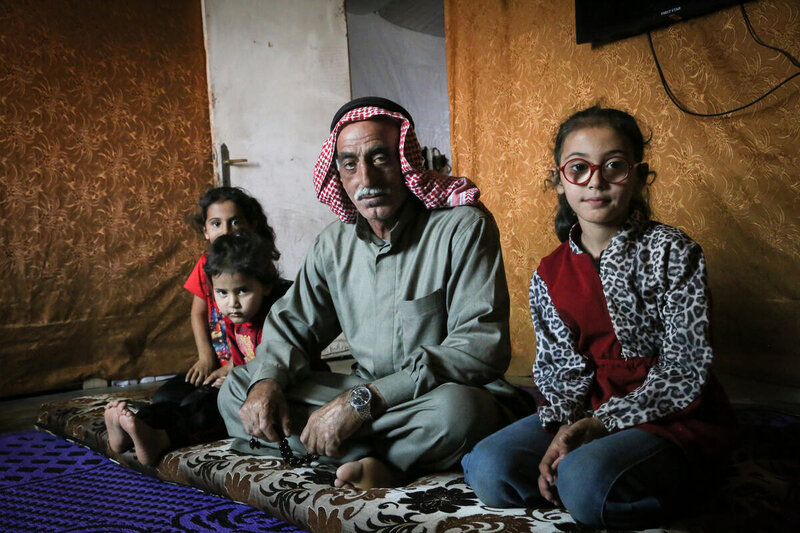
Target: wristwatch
pixel 360 398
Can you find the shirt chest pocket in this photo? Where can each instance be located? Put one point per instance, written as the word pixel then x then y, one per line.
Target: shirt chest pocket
pixel 423 321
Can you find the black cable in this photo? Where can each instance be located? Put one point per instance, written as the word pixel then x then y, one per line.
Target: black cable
pixel 750 29
pixel 674 99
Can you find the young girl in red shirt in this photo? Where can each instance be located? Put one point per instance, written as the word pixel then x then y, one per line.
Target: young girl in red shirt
pixel 240 282
pixel 223 210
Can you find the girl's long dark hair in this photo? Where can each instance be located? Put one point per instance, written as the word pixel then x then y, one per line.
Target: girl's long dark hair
pixel 251 210
pixel 597 116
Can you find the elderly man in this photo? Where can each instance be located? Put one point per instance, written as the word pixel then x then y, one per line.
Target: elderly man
pixel 418 288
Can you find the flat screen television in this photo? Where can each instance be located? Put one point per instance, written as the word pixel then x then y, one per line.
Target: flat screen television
pixel 603 21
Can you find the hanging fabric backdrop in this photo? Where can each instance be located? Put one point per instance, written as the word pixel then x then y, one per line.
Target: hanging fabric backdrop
pixel 104 147
pixel 733 183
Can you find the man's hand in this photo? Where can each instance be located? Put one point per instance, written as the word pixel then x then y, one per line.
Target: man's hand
pixel 201 370
pixel 217 377
pixel 330 425
pixel 568 438
pixel 265 405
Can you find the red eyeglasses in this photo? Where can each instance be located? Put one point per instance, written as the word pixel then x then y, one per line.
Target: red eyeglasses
pixel 580 171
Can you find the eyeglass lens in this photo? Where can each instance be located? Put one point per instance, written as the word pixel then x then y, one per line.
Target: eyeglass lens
pixel 580 171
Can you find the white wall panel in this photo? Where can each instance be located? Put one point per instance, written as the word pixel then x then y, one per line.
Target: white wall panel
pixel 277 71
pixel 406 66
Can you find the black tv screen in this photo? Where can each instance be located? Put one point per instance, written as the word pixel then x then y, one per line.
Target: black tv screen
pixel 603 21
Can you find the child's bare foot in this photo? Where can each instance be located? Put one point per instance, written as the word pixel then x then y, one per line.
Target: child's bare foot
pixel 367 473
pixel 149 443
pixel 118 440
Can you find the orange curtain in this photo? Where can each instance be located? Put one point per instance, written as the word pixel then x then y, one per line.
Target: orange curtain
pixel 104 147
pixel 732 183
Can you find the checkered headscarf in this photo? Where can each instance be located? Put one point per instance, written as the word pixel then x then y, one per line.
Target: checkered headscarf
pixel 436 190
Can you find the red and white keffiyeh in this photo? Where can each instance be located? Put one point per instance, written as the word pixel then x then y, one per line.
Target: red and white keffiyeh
pixel 436 190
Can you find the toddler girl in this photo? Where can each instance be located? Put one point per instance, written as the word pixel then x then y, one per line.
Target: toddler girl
pixel 633 418
pixel 245 284
pixel 223 210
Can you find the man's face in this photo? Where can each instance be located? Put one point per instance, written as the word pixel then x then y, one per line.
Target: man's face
pixel 369 167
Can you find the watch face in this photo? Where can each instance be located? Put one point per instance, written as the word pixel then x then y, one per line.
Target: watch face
pixel 360 396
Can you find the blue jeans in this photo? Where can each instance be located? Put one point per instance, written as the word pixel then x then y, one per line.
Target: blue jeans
pixel 629 479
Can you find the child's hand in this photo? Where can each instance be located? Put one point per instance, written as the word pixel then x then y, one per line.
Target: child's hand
pixel 217 377
pixel 568 438
pixel 548 490
pixel 200 371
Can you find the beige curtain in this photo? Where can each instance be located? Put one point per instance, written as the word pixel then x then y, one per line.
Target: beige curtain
pixel 104 147
pixel 732 183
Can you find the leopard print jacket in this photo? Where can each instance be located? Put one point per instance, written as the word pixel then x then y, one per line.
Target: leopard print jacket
pixel 654 280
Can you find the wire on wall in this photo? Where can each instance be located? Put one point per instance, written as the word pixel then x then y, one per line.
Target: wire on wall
pixel 755 37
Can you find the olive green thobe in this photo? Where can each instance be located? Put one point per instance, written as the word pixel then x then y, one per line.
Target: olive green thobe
pixel 426 316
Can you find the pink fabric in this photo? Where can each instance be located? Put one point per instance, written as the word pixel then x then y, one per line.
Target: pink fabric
pixel 436 190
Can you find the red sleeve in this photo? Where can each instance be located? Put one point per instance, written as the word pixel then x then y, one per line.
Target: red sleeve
pixel 198 283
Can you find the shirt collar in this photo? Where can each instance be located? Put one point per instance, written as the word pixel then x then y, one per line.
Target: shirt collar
pixel 257 321
pixel 629 229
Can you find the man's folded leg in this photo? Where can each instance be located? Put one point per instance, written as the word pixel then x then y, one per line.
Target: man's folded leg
pixel 432 432
pixel 429 433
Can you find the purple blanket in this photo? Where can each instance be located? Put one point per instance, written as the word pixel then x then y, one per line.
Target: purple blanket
pixel 50 484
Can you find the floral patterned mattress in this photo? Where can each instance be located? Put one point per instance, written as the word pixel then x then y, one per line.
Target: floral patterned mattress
pixel 761 492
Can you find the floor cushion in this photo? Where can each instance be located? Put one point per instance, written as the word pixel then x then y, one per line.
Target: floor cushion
pixel 759 493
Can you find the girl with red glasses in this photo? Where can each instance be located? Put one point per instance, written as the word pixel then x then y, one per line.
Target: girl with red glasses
pixel 634 421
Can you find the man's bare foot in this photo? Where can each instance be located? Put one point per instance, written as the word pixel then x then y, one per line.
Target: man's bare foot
pixel 118 440
pixel 149 443
pixel 367 473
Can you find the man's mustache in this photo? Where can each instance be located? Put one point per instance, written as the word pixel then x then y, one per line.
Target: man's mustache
pixel 370 191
